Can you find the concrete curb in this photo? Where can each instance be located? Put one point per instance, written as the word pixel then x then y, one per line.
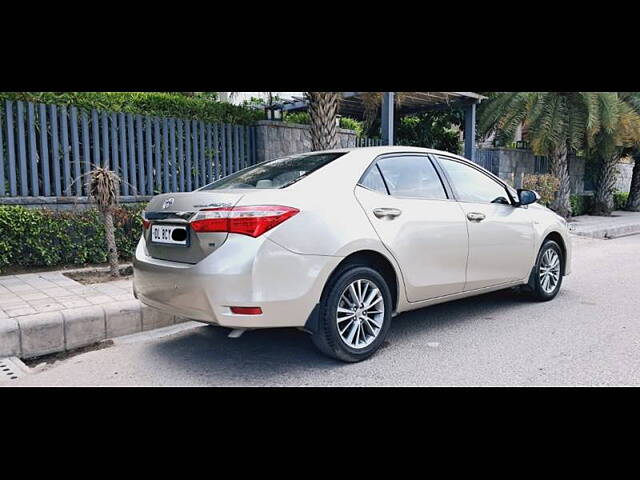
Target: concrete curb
pixel 39 334
pixel 607 232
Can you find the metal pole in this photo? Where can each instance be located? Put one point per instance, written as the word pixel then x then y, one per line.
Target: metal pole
pixel 470 132
pixel 387 118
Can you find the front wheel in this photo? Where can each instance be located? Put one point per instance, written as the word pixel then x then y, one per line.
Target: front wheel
pixel 546 277
pixel 355 314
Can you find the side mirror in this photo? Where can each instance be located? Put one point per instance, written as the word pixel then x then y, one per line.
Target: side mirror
pixel 527 196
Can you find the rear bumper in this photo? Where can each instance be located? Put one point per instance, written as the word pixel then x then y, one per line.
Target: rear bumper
pixel 244 272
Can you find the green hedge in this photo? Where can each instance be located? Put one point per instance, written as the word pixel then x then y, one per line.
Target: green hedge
pixel 620 200
pixel 581 204
pixel 159 104
pixel 40 237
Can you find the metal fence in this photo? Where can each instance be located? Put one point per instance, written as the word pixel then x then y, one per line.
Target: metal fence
pixel 48 150
pixel 541 164
pixel 368 142
pixel 488 159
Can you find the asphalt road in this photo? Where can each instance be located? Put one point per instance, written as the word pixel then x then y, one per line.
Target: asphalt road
pixel 588 335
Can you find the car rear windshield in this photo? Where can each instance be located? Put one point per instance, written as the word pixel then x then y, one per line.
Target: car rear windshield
pixel 278 173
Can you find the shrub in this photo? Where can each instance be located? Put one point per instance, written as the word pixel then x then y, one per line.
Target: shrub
pixel 620 200
pixel 581 204
pixel 302 118
pixel 351 124
pixel 546 185
pixel 160 104
pixel 41 237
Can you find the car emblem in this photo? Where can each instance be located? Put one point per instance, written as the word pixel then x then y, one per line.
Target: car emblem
pixel 167 203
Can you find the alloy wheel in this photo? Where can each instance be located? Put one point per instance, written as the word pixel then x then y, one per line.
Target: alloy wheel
pixel 549 272
pixel 360 313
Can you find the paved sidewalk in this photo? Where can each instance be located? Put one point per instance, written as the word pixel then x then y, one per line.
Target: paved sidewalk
pixel 52 291
pixel 43 313
pixel 620 223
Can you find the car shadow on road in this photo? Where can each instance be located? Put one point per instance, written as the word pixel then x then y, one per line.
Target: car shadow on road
pixel 449 314
pixel 267 356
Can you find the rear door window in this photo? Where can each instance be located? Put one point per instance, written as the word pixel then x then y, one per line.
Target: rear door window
pixel 372 180
pixel 412 176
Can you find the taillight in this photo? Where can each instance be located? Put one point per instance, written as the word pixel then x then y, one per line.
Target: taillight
pixel 145 223
pixel 249 220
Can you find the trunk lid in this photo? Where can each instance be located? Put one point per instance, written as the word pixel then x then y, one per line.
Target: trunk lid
pixel 177 209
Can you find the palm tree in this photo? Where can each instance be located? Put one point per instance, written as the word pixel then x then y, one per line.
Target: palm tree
pixel 557 123
pixel 103 188
pixel 323 112
pixel 619 130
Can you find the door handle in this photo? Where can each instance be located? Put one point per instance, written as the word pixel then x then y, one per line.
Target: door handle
pixel 387 212
pixel 476 216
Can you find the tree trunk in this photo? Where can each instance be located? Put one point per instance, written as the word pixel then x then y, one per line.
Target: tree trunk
pixel 560 169
pixel 633 203
pixel 323 110
pixel 603 200
pixel 114 268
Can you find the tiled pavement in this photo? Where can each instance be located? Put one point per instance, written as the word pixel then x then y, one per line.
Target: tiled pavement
pixel 51 291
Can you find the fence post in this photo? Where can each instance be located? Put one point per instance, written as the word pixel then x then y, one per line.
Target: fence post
pixel 203 169
pixel 114 145
pixel 11 153
pixel 33 154
pixel 142 181
pixel 147 137
pixel 165 156
pixel 95 128
pixel 44 149
pixel 172 149
pixel 86 148
pixel 156 146
pixel 75 150
pixel 123 155
pixel 105 141
pixel 22 150
pixel 2 187
pixel 133 178
pixel 194 139
pixel 55 148
pixel 216 156
pixel 65 150
pixel 243 139
pixel 209 156
pixel 181 153
pixel 223 149
pixel 229 149
pixel 187 146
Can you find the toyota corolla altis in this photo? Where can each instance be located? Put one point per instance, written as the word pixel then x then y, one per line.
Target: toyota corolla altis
pixel 338 242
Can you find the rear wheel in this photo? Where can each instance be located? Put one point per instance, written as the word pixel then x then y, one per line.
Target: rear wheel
pixel 546 278
pixel 355 314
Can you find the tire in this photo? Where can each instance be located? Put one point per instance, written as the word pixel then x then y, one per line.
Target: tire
pixel 328 339
pixel 537 288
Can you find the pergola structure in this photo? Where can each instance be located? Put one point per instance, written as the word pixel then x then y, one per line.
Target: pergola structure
pixel 352 105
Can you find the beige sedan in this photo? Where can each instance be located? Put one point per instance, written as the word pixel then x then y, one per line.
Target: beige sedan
pixel 339 242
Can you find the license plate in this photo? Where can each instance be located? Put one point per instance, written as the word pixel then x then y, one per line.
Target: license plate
pixel 169 234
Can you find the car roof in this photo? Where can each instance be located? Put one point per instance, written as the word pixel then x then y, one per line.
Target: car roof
pixel 379 150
